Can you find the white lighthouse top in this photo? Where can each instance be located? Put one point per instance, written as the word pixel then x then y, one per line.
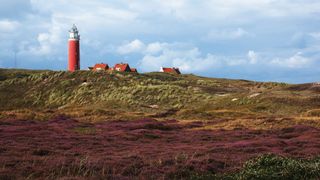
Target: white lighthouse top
pixel 74 33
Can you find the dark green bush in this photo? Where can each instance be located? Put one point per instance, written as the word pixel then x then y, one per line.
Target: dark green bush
pixel 277 167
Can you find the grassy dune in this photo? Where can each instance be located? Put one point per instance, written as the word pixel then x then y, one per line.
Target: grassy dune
pixel 99 96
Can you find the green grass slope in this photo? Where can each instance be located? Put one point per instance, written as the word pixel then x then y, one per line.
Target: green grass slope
pixel 157 95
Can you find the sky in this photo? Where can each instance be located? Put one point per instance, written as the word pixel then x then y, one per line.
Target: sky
pixel 261 40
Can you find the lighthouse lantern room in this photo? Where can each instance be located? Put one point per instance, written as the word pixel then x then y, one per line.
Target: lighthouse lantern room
pixel 74 49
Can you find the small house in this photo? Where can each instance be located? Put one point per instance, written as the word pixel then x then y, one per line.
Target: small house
pixel 122 67
pixel 101 67
pixel 170 70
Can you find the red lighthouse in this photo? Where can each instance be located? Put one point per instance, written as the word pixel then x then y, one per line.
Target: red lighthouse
pixel 74 49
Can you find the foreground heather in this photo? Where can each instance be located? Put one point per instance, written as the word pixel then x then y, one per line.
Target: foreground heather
pixel 66 148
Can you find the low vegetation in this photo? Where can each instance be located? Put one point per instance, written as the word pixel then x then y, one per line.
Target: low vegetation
pixel 271 166
pixel 98 96
pixel 113 125
pixel 278 167
pixel 64 148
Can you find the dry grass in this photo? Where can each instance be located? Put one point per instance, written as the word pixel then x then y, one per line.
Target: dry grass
pixel 261 123
pixel 96 97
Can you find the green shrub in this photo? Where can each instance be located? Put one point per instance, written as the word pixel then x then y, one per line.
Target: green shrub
pixel 277 167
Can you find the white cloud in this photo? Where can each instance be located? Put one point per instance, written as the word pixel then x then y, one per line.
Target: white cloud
pixel 156 54
pixel 188 60
pixel 47 42
pixel 228 9
pixel 7 26
pixel 94 14
pixel 198 62
pixel 184 56
pixel 296 61
pixel 253 57
pixel 135 46
pixel 227 34
pixel 315 35
pixel 156 47
pixel 234 61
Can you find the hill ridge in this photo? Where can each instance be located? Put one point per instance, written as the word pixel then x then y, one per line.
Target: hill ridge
pixel 155 94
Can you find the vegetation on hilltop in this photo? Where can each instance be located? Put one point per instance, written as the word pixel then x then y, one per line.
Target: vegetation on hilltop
pixel 158 95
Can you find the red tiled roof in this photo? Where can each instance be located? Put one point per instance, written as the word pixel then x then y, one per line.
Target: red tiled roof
pixel 171 70
pixel 101 66
pixel 122 67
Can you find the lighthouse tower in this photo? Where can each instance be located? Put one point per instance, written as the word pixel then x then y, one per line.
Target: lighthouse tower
pixel 74 49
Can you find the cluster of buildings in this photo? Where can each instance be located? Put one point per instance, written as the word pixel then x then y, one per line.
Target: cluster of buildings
pixel 121 67
pixel 125 67
pixel 74 58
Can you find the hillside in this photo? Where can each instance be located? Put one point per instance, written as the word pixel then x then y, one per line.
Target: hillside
pixel 107 125
pixel 102 95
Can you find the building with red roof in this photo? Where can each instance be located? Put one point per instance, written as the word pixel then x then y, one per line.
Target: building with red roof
pixel 170 70
pixel 122 67
pixel 101 67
